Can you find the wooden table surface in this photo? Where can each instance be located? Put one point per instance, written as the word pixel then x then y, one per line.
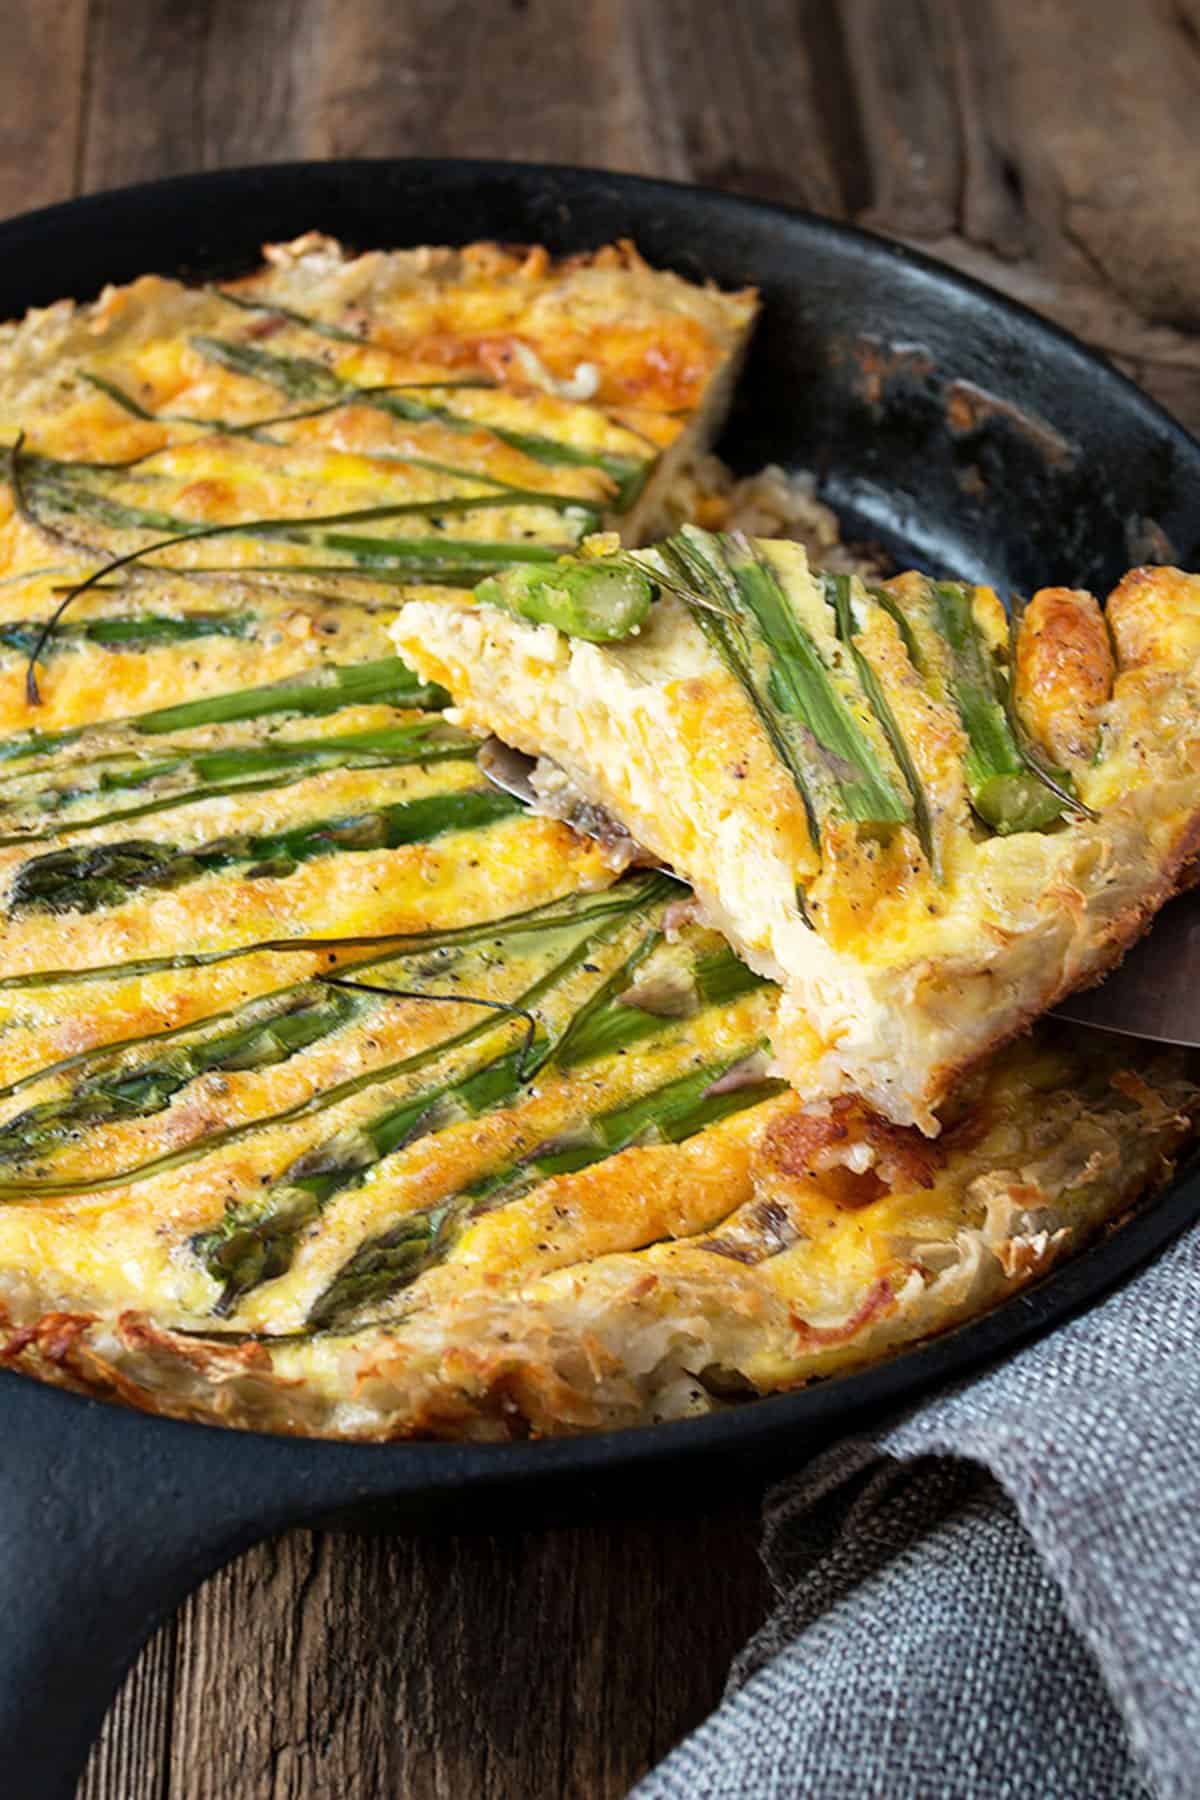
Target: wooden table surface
pixel 1049 146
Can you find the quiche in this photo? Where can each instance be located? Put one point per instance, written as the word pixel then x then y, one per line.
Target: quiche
pixel 927 821
pixel 342 1091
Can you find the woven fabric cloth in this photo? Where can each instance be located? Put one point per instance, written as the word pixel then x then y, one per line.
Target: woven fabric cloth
pixel 996 1595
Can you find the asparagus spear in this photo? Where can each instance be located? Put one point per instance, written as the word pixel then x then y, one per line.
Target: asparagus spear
pixel 41 483
pixel 213 774
pixel 262 752
pixel 668 1113
pixel 457 562
pixel 1007 790
pixel 903 624
pixel 633 1006
pixel 83 486
pixel 453 561
pixel 256 1240
pixel 388 681
pixel 801 687
pixel 259 1244
pixel 599 600
pixel 204 959
pixel 440 950
pixel 739 602
pixel 85 880
pixel 304 378
pixel 40 1187
pixel 322 327
pixel 595 917
pixel 299 377
pixel 837 588
pixel 258 430
pixel 138 631
pixel 265 1032
pixel 120 1092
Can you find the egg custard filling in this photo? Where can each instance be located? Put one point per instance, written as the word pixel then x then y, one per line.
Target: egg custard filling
pixel 344 1091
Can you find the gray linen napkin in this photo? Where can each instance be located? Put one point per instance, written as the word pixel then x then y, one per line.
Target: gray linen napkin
pixel 995 1595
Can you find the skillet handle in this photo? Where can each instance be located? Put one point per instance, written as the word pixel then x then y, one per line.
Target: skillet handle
pixel 107 1520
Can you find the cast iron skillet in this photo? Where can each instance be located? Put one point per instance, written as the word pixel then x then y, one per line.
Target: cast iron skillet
pixel 955 427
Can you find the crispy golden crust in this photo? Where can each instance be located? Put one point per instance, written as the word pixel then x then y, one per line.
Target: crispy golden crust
pixel 652 340
pixel 597 349
pixel 1064 672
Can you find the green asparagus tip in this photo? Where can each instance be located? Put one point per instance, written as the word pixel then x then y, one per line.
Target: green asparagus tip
pixel 1008 790
pixel 1016 802
pixel 596 600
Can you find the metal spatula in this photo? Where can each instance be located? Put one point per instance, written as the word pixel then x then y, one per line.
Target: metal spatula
pixel 1155 993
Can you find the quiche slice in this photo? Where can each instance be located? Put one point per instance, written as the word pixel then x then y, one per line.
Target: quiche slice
pixel 927 822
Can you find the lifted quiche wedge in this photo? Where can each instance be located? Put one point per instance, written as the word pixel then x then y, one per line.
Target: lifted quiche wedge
pixel 928 824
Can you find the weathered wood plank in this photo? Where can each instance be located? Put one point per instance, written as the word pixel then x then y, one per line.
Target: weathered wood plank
pixel 721 94
pixel 901 65
pixel 543 1664
pixel 1103 100
pixel 41 101
pixel 192 84
pixel 259 70
pixel 144 73
pixel 731 93
pixel 133 1749
pixel 446 77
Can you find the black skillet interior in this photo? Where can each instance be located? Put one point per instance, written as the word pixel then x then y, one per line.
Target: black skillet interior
pixel 960 431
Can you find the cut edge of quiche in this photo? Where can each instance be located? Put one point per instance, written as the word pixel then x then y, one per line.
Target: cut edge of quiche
pixel 926 832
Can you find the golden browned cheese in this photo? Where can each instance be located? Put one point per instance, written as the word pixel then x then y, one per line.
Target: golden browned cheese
pixel 1064 672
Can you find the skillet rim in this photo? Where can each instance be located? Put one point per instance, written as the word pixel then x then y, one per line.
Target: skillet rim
pixel 789 1422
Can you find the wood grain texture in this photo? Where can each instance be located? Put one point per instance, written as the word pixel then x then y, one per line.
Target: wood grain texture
pixel 1047 146
pixel 555 1663
pixel 42 88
